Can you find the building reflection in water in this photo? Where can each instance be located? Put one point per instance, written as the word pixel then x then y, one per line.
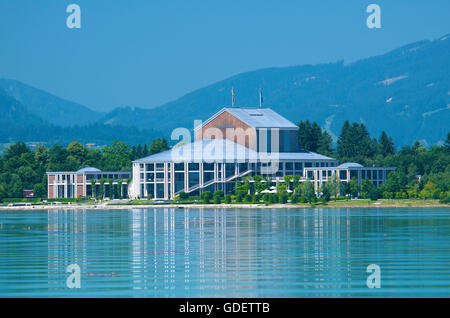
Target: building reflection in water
pixel 207 252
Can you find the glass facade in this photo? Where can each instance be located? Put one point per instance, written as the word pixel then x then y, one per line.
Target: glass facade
pixel 158 181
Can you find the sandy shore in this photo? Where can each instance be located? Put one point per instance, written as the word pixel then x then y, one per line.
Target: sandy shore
pixel 218 206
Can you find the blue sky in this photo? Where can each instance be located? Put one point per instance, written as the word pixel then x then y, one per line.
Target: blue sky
pixel 145 53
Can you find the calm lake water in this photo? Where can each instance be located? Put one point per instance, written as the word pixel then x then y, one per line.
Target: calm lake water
pixel 170 252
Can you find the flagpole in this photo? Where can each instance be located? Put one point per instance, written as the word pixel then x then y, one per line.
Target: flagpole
pixel 232 96
pixel 260 98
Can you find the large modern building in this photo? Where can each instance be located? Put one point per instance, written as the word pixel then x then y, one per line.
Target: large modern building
pixel 234 143
pixel 77 184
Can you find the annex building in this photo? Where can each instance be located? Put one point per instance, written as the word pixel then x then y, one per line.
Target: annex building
pixel 234 143
pixel 78 184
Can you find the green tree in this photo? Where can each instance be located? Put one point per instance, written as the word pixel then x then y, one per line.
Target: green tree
pixel 206 196
pixel 312 138
pixel 119 189
pixel 78 152
pixel 354 187
pixel 116 157
pixel 139 153
pixel 325 193
pixel 366 188
pixel 145 151
pixel 101 193
pixel 158 145
pixel 386 145
pixel 111 189
pixel 308 191
pixel 183 195
pixel 40 190
pixel 93 190
pixel 333 185
pixel 216 199
pixel 3 193
pixel 15 150
pixel 354 143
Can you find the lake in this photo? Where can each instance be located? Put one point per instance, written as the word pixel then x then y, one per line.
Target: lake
pixel 174 252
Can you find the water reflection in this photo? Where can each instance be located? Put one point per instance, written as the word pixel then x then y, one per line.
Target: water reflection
pixel 169 252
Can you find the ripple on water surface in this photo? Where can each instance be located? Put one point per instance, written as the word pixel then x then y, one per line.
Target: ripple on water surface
pixel 168 252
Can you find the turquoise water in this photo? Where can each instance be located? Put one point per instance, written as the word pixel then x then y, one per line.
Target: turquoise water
pixel 170 252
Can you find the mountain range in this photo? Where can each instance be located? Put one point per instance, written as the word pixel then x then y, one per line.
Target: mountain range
pixel 405 92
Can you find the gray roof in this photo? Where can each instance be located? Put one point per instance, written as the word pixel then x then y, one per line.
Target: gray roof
pixel 257 117
pixel 88 169
pixel 350 165
pixel 222 150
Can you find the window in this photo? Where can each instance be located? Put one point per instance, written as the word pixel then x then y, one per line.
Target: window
pixel 193 166
pixel 208 166
pixel 287 141
pixel 208 176
pixel 150 177
pixel 151 190
pixel 229 169
pixel 179 166
pixel 150 167
pixel 289 166
pixel 243 167
pixel 179 181
pixel 193 179
pixel 160 190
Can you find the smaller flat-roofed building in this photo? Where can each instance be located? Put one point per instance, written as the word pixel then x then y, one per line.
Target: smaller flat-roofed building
pixel 78 184
pixel 348 171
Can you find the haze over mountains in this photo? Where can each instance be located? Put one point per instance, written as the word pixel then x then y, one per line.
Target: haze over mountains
pixel 405 92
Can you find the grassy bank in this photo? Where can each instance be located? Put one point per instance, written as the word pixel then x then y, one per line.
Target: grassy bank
pixel 362 203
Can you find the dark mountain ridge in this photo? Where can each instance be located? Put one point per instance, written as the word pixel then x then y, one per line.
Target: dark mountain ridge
pixel 405 92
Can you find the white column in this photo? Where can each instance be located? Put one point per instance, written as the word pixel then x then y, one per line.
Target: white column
pixel 186 177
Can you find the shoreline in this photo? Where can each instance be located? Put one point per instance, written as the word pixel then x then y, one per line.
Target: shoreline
pixel 219 206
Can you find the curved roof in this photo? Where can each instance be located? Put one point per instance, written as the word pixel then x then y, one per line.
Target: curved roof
pixel 223 150
pixel 350 165
pixel 88 169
